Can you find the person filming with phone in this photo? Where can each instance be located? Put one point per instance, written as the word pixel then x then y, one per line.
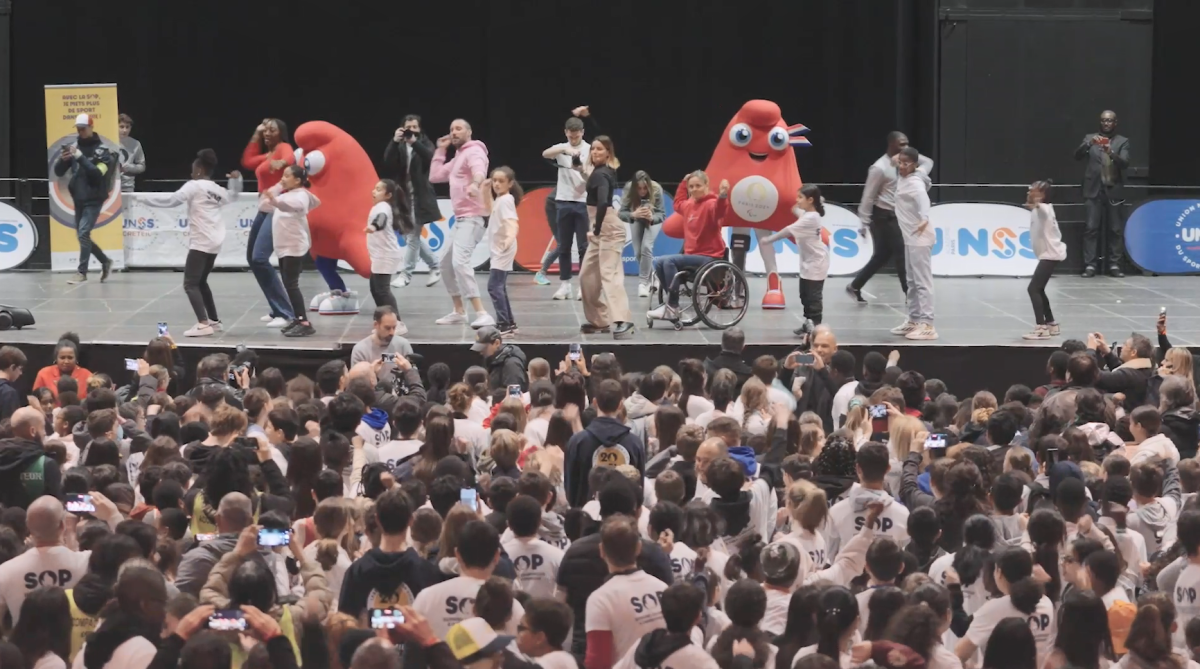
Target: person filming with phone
pixel 408 156
pixel 1107 156
pixel 505 362
pixel 1131 367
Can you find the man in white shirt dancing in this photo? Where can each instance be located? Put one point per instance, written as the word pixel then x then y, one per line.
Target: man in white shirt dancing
pixel 877 213
pixel 912 212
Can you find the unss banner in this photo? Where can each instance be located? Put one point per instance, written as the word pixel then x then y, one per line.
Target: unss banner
pixel 1163 236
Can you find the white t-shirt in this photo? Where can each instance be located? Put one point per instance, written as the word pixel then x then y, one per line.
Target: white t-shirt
pixel 592 509
pixel 974 595
pixel 843 659
pixel 334 575
pixel 941 657
pixel 479 411
pixel 136 653
pixel 450 602
pixel 1044 235
pixel 204 199
pixel 50 661
pixel 535 431
pixel 1041 623
pixel 808 542
pixel 289 225
pixel 502 229
pixel 572 186
pixel 697 405
pixel 844 523
pixel 557 659
pixel 775 620
pixel 393 453
pixel 478 439
pixel 382 243
pixel 56 565
pixel 1187 601
pixel 683 559
pixel 806 233
pixel 629 606
pixel 690 656
pixel 373 437
pixel 536 563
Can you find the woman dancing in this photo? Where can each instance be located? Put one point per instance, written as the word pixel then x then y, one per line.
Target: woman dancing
pixel 601 268
pixel 291 202
pixel 1050 250
pixel 206 234
pixel 389 215
pixel 813 245
pixel 266 155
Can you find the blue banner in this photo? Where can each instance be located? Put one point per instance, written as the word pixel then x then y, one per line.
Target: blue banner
pixel 1163 236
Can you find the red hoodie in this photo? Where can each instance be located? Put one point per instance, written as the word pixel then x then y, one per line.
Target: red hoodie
pixel 701 223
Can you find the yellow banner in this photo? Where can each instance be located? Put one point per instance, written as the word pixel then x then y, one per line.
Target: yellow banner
pixel 63 105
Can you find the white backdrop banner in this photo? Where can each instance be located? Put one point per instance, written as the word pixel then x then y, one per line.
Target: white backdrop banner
pixel 982 239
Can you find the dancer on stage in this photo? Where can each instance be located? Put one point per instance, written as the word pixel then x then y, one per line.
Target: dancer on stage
pixel 813 244
pixel 912 213
pixel 289 230
pixel 501 195
pixel 409 156
pixel 643 209
pixel 602 268
pixel 389 215
pixel 91 166
pixel 702 242
pixel 465 174
pixel 266 155
pixel 206 234
pixel 570 196
pixel 878 215
pixel 1050 250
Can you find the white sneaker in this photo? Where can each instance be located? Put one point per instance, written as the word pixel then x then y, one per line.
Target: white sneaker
pixel 400 281
pixel 482 320
pixel 267 319
pixel 401 328
pixel 452 318
pixel 1040 332
pixel 199 330
pixel 315 305
pixel 278 322
pixel 563 292
pixel 663 313
pixel 905 328
pixel 434 277
pixel 579 294
pixel 216 326
pixel 643 290
pixel 923 332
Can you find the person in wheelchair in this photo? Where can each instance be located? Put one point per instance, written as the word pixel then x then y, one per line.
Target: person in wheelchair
pixel 702 241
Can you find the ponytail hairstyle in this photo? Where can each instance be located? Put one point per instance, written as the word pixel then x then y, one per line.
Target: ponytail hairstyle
pixel 301 174
pixel 807 505
pixel 206 161
pixel 917 626
pixel 881 610
pixel 1047 531
pixel 745 604
pixel 515 189
pixel 398 199
pixel 837 613
pixel 814 191
pixel 1016 566
pixel 330 520
pixel 979 538
pixel 746 563
pixel 1150 633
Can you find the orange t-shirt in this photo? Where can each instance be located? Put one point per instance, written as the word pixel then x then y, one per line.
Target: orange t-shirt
pixel 47 377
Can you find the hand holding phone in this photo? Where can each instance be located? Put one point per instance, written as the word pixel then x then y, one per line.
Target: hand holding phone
pixel 270 538
pixel 227 620
pixel 131 365
pixel 80 503
pixel 388 357
pixel 468 497
pixel 514 390
pixel 386 619
pixel 936 445
pixel 575 352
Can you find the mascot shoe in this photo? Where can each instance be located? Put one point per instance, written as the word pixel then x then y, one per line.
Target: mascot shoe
pixel 774 297
pixel 340 304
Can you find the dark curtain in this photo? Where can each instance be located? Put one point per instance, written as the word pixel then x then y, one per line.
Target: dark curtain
pixel 663 78
pixel 1176 133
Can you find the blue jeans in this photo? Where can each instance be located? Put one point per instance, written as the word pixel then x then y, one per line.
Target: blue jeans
pixel 258 254
pixel 572 227
pixel 85 221
pixel 415 246
pixel 667 266
pixel 498 291
pixel 328 267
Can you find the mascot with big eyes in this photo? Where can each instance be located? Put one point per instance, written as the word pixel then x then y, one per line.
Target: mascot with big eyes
pixel 755 155
pixel 342 176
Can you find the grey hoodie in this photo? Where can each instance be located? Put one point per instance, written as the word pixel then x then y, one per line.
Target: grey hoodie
pixel 639 414
pixel 133 162
pixel 1008 529
pixel 1151 520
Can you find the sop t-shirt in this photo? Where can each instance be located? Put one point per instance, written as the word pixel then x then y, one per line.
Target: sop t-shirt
pixel 629 606
pixel 56 565
pixel 1187 601
pixel 394 453
pixel 1041 623
pixel 450 602
pixel 536 563
pixel 683 559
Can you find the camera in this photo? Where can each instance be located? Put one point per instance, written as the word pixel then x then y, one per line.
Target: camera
pixel 409 133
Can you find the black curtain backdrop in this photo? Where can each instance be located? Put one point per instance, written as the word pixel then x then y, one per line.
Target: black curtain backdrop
pixel 663 78
pixel 1176 133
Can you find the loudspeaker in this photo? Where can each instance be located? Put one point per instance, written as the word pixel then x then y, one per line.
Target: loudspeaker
pixel 14 317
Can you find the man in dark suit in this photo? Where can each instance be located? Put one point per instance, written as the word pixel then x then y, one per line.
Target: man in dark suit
pixel 408 156
pixel 1107 155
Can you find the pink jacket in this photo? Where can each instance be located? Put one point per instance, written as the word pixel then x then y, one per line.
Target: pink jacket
pixel 470 163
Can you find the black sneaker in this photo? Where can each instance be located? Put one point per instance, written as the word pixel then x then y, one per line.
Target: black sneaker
pixel 1115 272
pixel 1089 272
pixel 105 270
pixel 856 294
pixel 290 326
pixel 300 329
pixel 623 331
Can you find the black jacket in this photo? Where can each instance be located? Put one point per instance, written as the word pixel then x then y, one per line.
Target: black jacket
pixel 602 433
pixel 1093 174
pixel 93 172
pixel 816 393
pixel 507 368
pixel 1182 427
pixel 20 482
pixel 233 396
pixel 1130 378
pixel 11 399
pixel 395 157
pixel 386 574
pixel 583 571
pixel 731 361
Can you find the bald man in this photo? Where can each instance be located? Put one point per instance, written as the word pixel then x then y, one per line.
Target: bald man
pixel 817 387
pixel 48 563
pixel 234 514
pixel 26 473
pixel 1107 156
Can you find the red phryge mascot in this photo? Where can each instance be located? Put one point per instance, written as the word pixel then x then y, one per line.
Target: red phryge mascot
pixel 342 177
pixel 755 155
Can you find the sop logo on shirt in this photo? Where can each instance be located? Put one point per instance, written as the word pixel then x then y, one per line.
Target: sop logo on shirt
pixel 647 602
pixel 63 576
pixel 527 562
pixel 882 524
pixel 1041 622
pixel 818 556
pixel 1185 595
pixel 682 565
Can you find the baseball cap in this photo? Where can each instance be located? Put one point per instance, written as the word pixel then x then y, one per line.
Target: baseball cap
pixel 83 119
pixel 473 639
pixel 484 336
pixel 779 561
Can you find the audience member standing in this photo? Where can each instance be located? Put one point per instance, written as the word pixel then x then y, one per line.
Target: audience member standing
pixel 1107 155
pixel 409 156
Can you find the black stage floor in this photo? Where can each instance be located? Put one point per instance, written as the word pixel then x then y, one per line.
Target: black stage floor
pixel 980 321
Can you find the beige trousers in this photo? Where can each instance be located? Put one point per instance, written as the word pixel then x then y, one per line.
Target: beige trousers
pixel 602 273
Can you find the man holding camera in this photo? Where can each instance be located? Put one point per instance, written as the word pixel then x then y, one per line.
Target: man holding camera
pixel 1107 155
pixel 382 341
pixel 92 167
pixel 408 156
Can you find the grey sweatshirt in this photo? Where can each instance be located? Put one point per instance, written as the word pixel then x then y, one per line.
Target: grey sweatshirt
pixel 133 162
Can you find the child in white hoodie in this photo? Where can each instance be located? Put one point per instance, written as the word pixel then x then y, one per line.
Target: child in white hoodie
pixel 1148 442
pixel 289 231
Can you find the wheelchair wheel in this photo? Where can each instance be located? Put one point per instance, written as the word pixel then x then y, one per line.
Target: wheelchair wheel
pixel 687 308
pixel 720 295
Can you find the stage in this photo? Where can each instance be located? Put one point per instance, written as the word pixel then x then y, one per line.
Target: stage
pixel 980 321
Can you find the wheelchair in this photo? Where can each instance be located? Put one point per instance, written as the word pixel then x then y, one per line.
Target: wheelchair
pixel 716 293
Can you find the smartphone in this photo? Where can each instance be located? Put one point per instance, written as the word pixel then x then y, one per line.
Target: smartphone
pixel 575 352
pixel 162 329
pixel 1162 312
pixel 936 445
pixel 879 418
pixel 1051 456
pixel 206 537
pixel 386 619
pixel 467 496
pixel 514 390
pixel 227 620
pixel 388 357
pixel 131 364
pixel 272 538
pixel 808 359
pixel 80 504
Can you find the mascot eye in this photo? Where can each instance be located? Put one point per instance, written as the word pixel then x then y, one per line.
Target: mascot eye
pixel 298 154
pixel 740 134
pixel 778 139
pixel 314 162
